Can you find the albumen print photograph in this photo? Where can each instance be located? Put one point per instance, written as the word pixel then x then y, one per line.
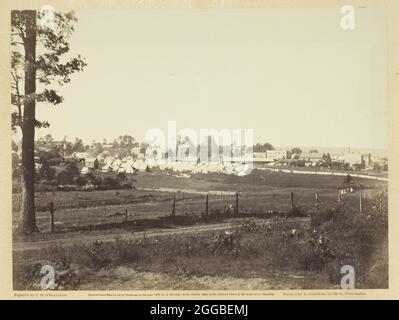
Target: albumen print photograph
pixel 199 149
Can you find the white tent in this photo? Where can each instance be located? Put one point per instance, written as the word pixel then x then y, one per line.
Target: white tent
pixel 139 165
pixel 84 170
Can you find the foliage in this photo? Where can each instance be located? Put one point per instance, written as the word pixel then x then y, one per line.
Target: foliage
pixel 121 176
pixel 348 182
pixel 295 151
pixel 50 66
pixel 46 173
pixel 28 276
pixel 326 160
pixel 379 210
pixel 254 249
pixel 91 178
pixel 298 163
pixel 297 211
pixel 80 180
pixel 227 243
pixel 14 161
pixel 359 166
pixel 262 147
pixel 67 176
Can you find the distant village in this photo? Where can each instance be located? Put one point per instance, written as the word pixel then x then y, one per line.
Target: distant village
pixel 126 155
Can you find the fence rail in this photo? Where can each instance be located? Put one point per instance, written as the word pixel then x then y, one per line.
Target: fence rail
pixel 203 207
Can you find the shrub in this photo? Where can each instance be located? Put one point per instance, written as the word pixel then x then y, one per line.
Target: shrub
pixel 98 255
pixel 110 183
pixel 126 251
pixel 67 175
pixel 348 183
pixel 227 243
pixel 296 211
pixel 28 276
pixel 46 172
pixel 121 176
pixel 64 178
pixel 80 181
pixel 91 178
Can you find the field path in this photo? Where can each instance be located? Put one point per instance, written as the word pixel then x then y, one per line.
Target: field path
pixel 325 173
pixel 189 191
pixel 23 245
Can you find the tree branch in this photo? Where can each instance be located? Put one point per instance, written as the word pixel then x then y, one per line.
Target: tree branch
pixel 19 103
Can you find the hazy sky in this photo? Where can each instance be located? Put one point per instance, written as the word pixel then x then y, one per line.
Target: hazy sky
pixel 294 76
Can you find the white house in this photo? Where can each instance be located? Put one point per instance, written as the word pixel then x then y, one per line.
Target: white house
pixel 276 154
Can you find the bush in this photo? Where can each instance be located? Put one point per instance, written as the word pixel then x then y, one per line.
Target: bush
pixel 125 251
pixel 98 255
pixel 227 243
pixel 297 211
pixel 93 179
pixel 348 183
pixel 80 181
pixel 67 175
pixel 121 176
pixel 110 183
pixel 64 178
pixel 46 173
pixel 252 249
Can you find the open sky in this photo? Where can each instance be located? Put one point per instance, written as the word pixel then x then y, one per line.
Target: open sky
pixel 293 75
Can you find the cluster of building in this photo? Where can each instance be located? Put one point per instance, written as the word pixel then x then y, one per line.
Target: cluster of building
pixel 132 164
pixel 352 159
pixel 269 156
pixel 137 162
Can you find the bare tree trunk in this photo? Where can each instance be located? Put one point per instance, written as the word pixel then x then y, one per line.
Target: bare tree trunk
pixel 28 217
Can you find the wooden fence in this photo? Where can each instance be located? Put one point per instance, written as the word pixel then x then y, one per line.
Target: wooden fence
pixel 235 210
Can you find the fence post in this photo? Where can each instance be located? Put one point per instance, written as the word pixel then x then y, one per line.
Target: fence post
pixel 236 211
pixel 207 205
pixel 173 206
pixel 360 204
pixel 292 200
pixel 317 202
pixel 125 215
pixel 51 216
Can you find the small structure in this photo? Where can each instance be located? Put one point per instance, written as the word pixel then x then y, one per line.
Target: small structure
pixel 276 154
pixel 85 170
pixel 312 158
pixel 92 163
pixel 357 158
pixel 261 157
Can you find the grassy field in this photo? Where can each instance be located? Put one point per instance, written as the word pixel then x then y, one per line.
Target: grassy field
pixel 376 173
pixel 254 255
pixel 260 252
pixel 259 192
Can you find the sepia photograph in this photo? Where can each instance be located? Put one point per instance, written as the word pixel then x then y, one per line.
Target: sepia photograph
pixel 190 149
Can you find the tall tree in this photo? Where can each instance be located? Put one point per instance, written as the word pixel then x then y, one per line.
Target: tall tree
pixel 37 49
pixel 296 150
pixel 262 147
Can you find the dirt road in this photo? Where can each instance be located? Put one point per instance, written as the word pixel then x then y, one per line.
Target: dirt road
pixel 24 246
pixel 325 173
